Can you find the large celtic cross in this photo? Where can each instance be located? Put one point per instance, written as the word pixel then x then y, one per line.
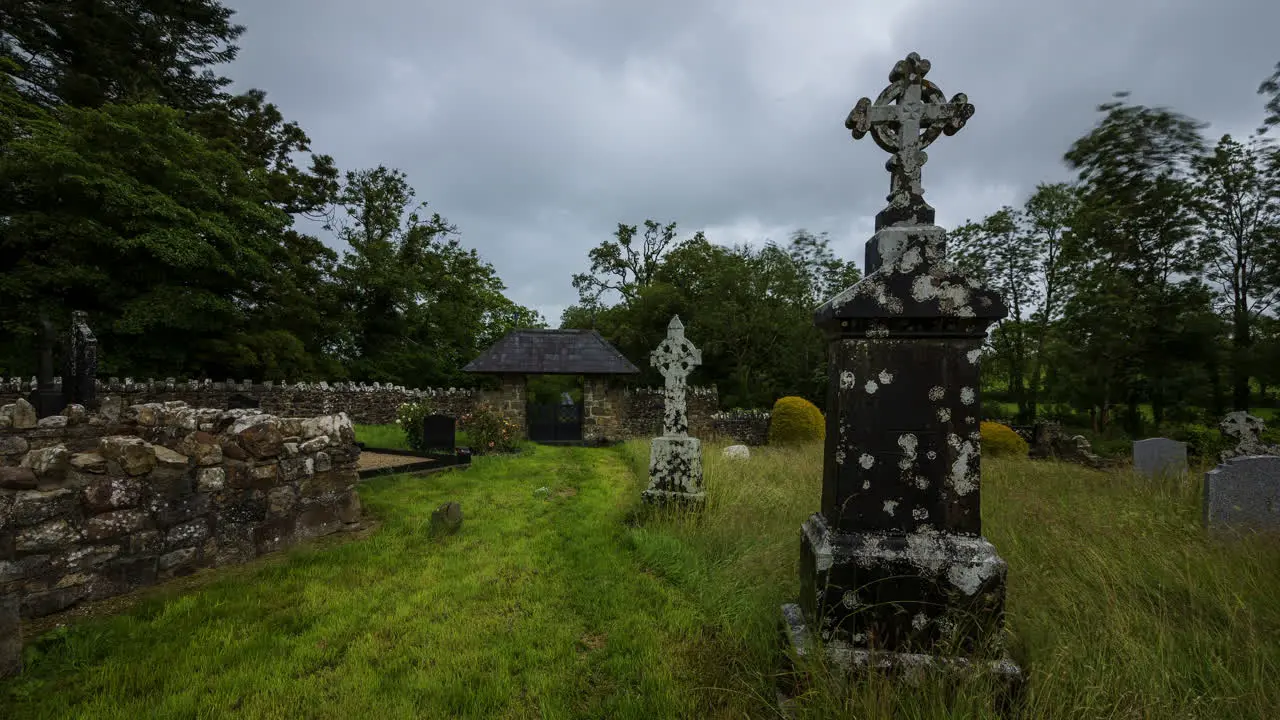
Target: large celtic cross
pixel 905 130
pixel 675 358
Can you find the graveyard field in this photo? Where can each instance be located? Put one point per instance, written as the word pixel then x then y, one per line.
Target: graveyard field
pixel 564 603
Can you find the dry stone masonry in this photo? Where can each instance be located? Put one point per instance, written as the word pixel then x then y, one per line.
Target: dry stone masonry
pixel 675 459
pixel 95 505
pixel 894 570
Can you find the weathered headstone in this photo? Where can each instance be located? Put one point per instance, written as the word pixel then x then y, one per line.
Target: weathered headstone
pixel 1159 456
pixel 46 398
pixel 439 433
pixel 446 519
pixel 737 452
pixel 80 370
pixel 1245 431
pixel 675 459
pixel 1243 495
pixel 894 570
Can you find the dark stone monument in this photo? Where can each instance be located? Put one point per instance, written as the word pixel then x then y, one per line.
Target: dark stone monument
pixel 46 398
pixel 81 367
pixel 894 571
pixel 439 432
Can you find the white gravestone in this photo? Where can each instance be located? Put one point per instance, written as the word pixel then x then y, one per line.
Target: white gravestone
pixel 675 459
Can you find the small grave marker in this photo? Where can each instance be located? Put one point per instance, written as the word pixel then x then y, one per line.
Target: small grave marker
pixel 1159 456
pixel 439 432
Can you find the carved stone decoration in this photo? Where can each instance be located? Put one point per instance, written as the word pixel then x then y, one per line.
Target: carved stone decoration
pixel 905 130
pixel 675 459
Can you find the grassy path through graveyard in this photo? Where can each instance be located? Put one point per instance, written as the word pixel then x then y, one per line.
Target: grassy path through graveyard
pixel 535 609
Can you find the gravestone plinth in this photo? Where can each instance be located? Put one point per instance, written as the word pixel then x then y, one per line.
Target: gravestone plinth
pixel 675 459
pixel 894 568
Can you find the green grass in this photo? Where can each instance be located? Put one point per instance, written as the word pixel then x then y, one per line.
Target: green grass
pixel 561 606
pixel 391 437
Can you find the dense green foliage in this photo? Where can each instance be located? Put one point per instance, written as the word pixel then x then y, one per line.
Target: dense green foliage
pixel 1000 440
pixel 489 431
pixel 132 186
pixel 796 421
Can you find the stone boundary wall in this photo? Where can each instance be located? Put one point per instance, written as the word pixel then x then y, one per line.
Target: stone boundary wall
pixel 642 409
pixel 96 505
pixel 373 404
pixel 746 427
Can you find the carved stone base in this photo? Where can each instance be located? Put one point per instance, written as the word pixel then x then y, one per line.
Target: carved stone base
pixel 675 470
pixel 799 643
pixel 901 592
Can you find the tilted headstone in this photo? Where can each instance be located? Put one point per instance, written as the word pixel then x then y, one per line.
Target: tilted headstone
pixel 47 398
pixel 439 432
pixel 675 459
pixel 81 367
pixel 1243 495
pixel 894 570
pixel 1159 456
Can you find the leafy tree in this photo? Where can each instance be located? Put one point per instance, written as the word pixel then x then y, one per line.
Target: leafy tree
pixel 88 53
pixel 1238 204
pixel 620 265
pixel 1271 87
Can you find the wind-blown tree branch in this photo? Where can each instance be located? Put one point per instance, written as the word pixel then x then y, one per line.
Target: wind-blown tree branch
pixel 1134 243
pixel 1048 215
pixel 622 266
pixel 1238 203
pixel 1271 87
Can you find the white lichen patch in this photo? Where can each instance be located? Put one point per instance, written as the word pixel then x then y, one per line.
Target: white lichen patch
pixel 909 260
pixel 878 330
pixel 847 380
pixel 920 513
pixel 944 414
pixel 922 482
pixel 963 479
pixel 866 484
pixel 840 456
pixel 919 621
pixel 866 461
pixel 973 355
pixel 968 396
pixel 936 393
pixel 969 577
pixel 886 377
pixel 850 600
pixel 931 455
pixel 969 420
pixel 871 387
pixel 890 506
pixel 908 443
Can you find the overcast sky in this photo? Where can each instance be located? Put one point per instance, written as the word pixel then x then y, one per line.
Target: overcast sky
pixel 536 126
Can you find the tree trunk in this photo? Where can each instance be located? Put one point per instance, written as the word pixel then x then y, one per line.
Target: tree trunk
pixel 1242 341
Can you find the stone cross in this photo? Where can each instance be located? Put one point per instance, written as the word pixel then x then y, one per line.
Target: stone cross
pixel 905 130
pixel 675 459
pixel 675 358
pixel 894 566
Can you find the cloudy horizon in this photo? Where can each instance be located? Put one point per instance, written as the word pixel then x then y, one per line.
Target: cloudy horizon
pixel 537 130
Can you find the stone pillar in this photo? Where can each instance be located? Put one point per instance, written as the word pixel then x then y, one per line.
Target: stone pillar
pixel 511 402
pixel 601 422
pixel 675 459
pixel 80 371
pixel 894 571
pixel 10 637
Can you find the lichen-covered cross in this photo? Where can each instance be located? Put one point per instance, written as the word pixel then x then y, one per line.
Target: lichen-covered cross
pixel 675 358
pixel 905 130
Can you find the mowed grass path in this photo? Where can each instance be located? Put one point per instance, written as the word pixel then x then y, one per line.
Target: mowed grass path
pixel 535 609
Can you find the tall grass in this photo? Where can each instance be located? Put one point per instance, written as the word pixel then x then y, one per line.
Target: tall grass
pixel 1119 605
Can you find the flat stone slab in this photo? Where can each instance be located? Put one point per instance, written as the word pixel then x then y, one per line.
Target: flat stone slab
pixel 1243 495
